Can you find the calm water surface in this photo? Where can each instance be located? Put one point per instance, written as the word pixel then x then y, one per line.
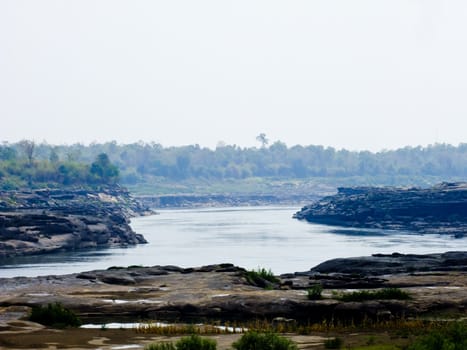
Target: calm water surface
pixel 250 237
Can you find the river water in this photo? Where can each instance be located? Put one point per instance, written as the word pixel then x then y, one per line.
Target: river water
pixel 250 237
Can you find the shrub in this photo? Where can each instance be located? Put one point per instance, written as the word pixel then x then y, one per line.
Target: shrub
pixel 160 346
pixel 333 343
pixel 261 277
pixel 378 347
pixel 54 315
pixel 386 293
pixel 263 341
pixel 195 342
pixel 453 337
pixel 314 293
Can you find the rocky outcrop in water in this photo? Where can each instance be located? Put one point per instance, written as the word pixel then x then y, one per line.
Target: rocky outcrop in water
pixel 439 209
pixel 45 221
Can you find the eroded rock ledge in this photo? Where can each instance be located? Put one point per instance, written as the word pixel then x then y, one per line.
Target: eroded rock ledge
pixel 46 221
pixel 439 209
pixel 222 292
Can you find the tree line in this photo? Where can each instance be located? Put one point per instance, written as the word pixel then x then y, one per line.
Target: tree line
pixel 21 167
pixel 149 162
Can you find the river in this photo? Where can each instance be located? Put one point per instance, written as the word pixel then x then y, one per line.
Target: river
pixel 250 237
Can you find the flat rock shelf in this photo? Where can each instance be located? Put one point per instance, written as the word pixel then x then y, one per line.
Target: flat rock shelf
pixel 441 209
pixel 223 294
pixel 51 220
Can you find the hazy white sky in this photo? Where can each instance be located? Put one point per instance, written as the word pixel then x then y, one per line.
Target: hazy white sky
pixel 349 74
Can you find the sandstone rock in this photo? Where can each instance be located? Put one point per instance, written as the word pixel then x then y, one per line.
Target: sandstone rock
pixel 385 264
pixel 44 221
pixel 210 293
pixel 440 209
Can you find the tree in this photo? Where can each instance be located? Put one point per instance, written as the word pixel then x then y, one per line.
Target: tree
pixel 28 148
pixel 262 139
pixel 103 170
pixel 7 153
pixel 53 157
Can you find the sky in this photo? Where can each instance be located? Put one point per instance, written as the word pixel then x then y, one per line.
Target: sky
pixel 361 75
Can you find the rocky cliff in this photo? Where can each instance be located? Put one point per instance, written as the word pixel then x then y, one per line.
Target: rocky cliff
pixel 439 209
pixel 45 221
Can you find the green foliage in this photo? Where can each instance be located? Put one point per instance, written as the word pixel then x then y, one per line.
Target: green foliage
pixel 452 337
pixel 378 347
pixel 193 342
pixel 333 343
pixel 314 293
pixel 263 341
pixel 30 172
pixel 145 164
pixel 160 346
pixel 103 171
pixel 261 277
pixel 54 315
pixel 7 153
pixel 386 293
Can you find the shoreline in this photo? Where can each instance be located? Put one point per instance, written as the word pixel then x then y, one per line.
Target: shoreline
pixel 223 295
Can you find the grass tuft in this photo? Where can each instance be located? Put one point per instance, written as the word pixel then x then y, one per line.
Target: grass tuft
pixel 54 315
pixel 262 278
pixel 450 337
pixel 333 343
pixel 382 294
pixel 314 293
pixel 193 342
pixel 263 341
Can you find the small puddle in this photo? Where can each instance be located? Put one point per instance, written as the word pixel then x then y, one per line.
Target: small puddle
pixel 117 325
pixel 38 294
pixel 138 301
pixel 135 325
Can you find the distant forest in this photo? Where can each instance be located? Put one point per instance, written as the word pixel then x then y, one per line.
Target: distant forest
pixel 29 164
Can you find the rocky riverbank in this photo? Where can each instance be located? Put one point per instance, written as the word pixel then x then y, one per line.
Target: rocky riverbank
pixel 222 200
pixel 224 292
pixel 441 209
pixel 50 220
pixel 215 294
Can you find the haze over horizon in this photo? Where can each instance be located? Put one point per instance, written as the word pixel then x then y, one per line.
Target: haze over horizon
pixel 360 75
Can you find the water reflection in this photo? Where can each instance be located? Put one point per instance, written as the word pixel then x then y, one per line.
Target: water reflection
pixel 360 232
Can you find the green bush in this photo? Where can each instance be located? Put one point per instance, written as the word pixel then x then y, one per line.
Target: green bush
pixel 453 337
pixel 54 315
pixel 195 342
pixel 261 277
pixel 314 293
pixel 263 341
pixel 386 293
pixel 160 346
pixel 333 343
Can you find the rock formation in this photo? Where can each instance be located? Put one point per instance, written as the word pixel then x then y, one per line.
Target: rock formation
pixel 439 209
pixel 45 221
pixel 223 292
